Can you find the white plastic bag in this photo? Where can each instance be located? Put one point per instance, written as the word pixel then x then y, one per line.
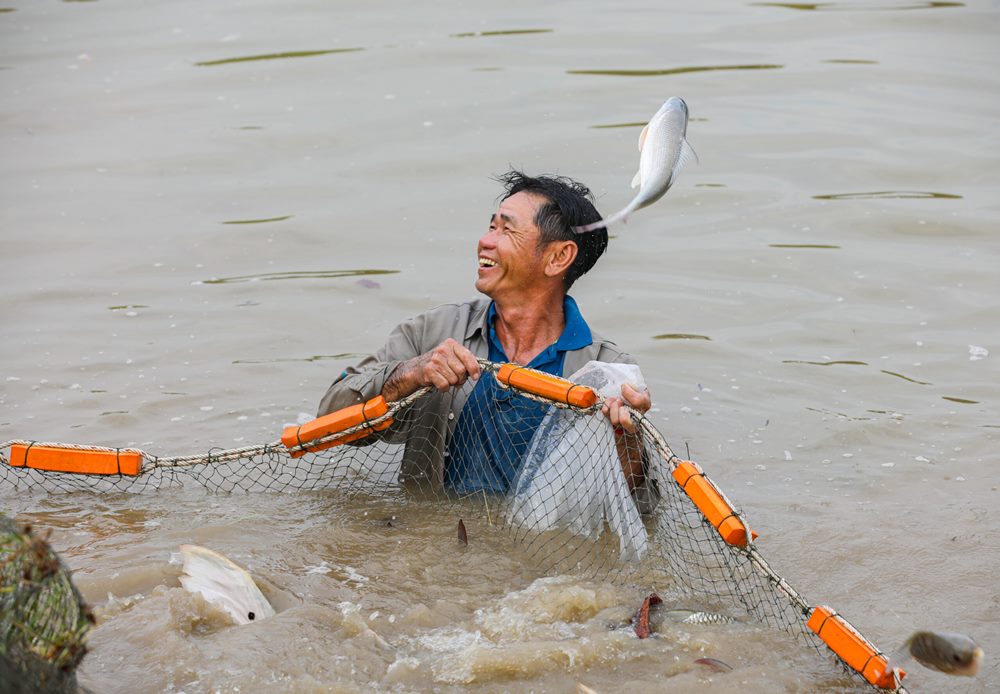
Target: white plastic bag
pixel 572 477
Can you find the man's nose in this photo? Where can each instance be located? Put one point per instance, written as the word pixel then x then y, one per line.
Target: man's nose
pixel 487 240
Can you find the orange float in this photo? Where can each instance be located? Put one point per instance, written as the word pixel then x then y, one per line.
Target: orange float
pixel 844 640
pixel 76 460
pixel 711 503
pixel 296 436
pixel 546 386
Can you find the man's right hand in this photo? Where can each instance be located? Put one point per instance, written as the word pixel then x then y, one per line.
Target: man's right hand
pixel 448 365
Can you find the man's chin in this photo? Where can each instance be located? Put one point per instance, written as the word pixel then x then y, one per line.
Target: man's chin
pixel 483 287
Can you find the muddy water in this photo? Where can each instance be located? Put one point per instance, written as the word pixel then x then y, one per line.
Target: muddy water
pixel 208 210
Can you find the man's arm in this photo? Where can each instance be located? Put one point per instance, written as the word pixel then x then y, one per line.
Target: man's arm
pixel 446 366
pixel 401 367
pixel 627 440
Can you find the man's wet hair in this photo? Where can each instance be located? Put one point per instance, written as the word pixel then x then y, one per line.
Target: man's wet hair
pixel 568 204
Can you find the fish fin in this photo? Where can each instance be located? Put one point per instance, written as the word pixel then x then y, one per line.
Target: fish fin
pixel 687 156
pixel 642 136
pixel 637 179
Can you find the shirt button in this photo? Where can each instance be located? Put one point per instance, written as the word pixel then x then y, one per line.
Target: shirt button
pixel 451 415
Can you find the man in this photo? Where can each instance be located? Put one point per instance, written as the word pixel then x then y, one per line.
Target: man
pixel 474 439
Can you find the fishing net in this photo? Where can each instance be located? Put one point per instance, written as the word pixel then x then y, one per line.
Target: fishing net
pixel 537 459
pixel 43 619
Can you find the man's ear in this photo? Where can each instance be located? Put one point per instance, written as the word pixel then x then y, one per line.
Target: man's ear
pixel 559 256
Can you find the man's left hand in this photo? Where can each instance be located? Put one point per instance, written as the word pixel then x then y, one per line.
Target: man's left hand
pixel 620 417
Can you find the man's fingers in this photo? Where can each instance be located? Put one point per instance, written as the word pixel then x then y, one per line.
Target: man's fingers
pixel 470 361
pixel 469 365
pixel 625 421
pixel 448 365
pixel 638 399
pixel 618 414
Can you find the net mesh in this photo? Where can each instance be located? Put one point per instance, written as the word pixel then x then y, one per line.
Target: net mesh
pixel 575 495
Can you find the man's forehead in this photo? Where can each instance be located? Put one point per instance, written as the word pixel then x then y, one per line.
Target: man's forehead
pixel 520 208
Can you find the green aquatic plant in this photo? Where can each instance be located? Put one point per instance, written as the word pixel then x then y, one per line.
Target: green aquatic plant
pixel 43 619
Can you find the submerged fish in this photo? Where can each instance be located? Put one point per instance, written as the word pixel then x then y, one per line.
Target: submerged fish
pixel 663 151
pixel 685 616
pixel 714 664
pixel 651 615
pixel 223 583
pixel 952 654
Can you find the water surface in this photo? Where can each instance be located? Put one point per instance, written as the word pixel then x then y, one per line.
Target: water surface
pixel 159 158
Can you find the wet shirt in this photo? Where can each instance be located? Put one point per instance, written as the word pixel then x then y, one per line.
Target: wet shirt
pixel 495 427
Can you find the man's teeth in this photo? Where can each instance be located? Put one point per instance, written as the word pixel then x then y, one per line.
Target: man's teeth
pixel 486 262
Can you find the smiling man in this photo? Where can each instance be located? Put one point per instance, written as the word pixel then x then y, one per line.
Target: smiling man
pixel 474 439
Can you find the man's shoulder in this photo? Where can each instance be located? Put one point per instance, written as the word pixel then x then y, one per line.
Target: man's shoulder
pixel 460 307
pixel 458 320
pixel 607 351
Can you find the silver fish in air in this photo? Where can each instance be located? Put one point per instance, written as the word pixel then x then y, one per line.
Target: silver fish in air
pixel 222 582
pixel 952 654
pixel 663 152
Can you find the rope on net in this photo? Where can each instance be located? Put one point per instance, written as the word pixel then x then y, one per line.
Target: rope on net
pixel 698 541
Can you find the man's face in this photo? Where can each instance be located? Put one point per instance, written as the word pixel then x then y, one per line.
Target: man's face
pixel 510 261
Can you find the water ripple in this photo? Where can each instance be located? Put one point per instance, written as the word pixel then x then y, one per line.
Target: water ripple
pixel 802 245
pixel 299 275
pixel 315 357
pixel 857 6
pixel 826 363
pixel 672 71
pixel 889 194
pixel 681 336
pixel 636 124
pixel 507 32
pixel 907 378
pixel 258 221
pixel 277 56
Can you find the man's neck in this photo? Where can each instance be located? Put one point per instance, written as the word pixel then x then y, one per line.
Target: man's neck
pixel 526 328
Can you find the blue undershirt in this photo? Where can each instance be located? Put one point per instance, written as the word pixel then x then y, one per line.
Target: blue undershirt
pixel 495 427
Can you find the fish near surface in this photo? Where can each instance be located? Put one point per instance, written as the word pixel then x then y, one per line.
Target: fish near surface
pixel 663 152
pixel 223 583
pixel 952 654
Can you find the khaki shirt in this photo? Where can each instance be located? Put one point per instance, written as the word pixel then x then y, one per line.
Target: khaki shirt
pixel 435 415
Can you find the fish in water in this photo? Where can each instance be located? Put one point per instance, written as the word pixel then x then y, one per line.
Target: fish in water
pixel 663 152
pixel 952 654
pixel 685 616
pixel 463 537
pixel 714 664
pixel 223 583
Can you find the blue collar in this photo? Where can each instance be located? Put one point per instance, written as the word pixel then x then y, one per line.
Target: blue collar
pixel 575 335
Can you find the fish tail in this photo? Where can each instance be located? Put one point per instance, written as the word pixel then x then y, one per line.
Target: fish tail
pixel 620 216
